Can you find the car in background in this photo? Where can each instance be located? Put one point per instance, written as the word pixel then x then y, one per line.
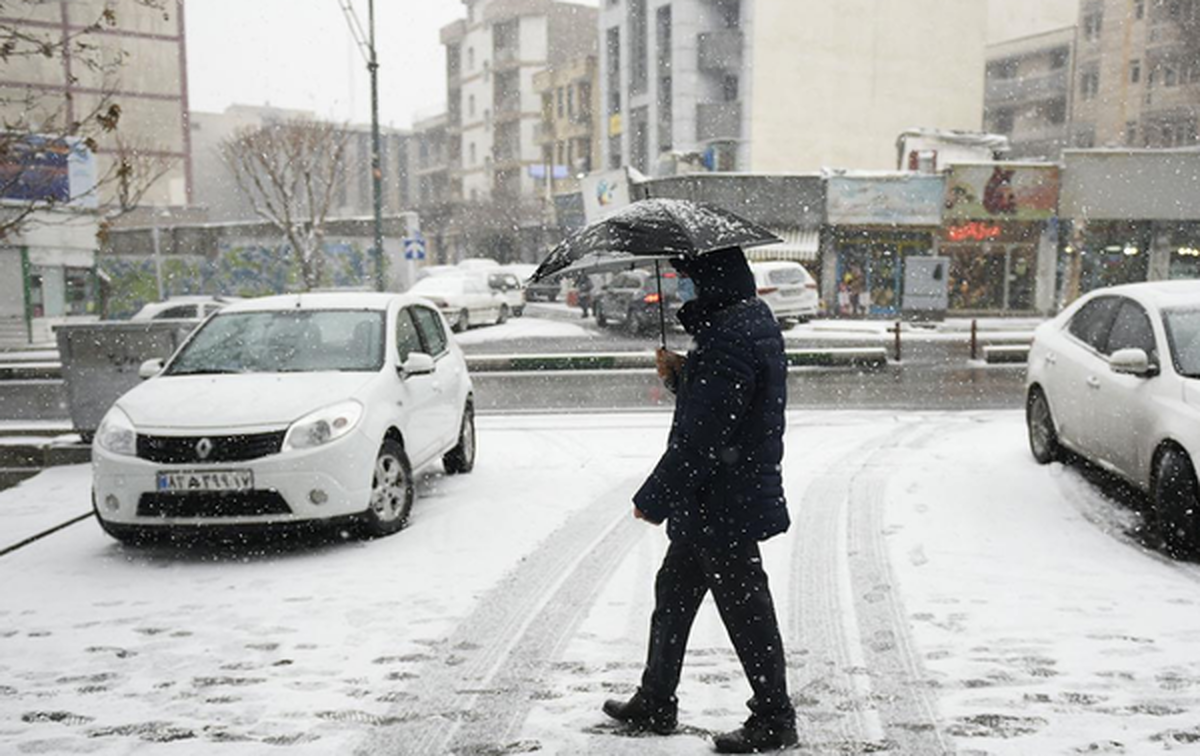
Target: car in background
pixel 632 299
pixel 290 410
pixel 189 307
pixel 464 300
pixel 508 286
pixel 477 263
pixel 546 290
pixel 1115 379
pixel 788 289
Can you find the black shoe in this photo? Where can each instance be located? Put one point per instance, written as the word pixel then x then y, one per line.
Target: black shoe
pixel 758 735
pixel 643 713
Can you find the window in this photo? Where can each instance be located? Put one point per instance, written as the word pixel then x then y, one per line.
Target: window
pixel 1139 9
pixel 1056 111
pixel 559 102
pixel 1002 120
pixel 729 88
pixel 1089 84
pixel 1170 75
pixel 471 106
pixel 433 333
pixel 638 47
pixel 1093 321
pixel 1135 71
pixel 1132 330
pixel 1003 69
pixel 1093 23
pixel 78 290
pixel 612 48
pixel 1130 133
pixel 471 151
pixel 571 102
pixel 408 340
pixel 470 58
pixel 1059 57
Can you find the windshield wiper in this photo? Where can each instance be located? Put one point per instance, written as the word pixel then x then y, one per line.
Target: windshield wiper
pixel 205 371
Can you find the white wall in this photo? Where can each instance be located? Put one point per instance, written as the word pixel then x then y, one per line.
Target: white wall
pixel 834 84
pixel 1011 19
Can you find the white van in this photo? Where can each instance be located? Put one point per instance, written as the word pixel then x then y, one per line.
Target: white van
pixel 788 289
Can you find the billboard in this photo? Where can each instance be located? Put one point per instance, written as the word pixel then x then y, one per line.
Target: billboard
pixel 604 192
pixel 1002 191
pixel 52 170
pixel 884 200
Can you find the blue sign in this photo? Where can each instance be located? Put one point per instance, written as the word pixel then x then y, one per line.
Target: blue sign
pixel 414 247
pixel 51 170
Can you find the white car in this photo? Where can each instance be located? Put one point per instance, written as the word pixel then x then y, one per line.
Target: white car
pixel 788 289
pixel 508 286
pixel 1115 378
pixel 287 410
pixel 465 300
pixel 188 307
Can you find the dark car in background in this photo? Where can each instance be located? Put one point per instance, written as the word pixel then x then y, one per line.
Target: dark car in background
pixel 631 298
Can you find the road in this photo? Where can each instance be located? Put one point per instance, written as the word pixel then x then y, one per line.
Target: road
pixel 939 593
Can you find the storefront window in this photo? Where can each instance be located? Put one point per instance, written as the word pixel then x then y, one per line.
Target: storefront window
pixel 78 291
pixel 1185 251
pixel 37 295
pixel 1113 253
pixel 977 277
pixel 1022 277
pixel 871 272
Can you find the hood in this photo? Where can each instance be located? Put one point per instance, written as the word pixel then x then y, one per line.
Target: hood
pixel 251 400
pixel 722 278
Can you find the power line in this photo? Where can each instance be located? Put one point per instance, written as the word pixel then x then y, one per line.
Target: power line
pixel 356 29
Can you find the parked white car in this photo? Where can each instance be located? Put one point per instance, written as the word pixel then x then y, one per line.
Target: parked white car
pixel 788 289
pixel 188 307
pixel 1115 378
pixel 508 286
pixel 465 300
pixel 288 410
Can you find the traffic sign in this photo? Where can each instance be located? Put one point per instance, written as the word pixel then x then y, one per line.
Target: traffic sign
pixel 414 247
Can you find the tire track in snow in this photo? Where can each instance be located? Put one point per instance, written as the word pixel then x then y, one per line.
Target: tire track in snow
pixel 475 696
pixel 862 686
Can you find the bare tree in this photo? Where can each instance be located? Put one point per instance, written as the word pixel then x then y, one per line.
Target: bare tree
pixel 288 171
pixel 40 124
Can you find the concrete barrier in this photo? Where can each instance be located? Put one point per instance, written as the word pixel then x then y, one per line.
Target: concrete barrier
pixel 495 363
pixel 1005 353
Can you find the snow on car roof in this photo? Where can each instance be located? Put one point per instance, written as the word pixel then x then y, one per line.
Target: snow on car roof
pixel 356 300
pixel 1161 294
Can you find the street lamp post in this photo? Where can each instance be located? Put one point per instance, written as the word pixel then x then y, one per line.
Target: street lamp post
pixel 376 167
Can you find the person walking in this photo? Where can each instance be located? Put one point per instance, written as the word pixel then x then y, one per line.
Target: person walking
pixel 584 290
pixel 719 488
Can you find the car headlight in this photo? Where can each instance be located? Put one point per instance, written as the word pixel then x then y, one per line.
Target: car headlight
pixel 116 434
pixel 324 425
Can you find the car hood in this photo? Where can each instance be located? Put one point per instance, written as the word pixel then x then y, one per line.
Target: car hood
pixel 236 401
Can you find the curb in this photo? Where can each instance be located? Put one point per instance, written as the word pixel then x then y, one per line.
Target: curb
pixel 839 356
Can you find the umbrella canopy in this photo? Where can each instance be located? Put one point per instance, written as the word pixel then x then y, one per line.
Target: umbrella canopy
pixel 653 228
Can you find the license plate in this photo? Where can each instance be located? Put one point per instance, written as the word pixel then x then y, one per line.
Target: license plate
pixel 791 293
pixel 205 480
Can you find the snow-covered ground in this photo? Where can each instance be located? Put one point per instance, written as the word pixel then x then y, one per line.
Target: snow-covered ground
pixel 938 592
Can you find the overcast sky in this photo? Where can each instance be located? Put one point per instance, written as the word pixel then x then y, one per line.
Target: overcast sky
pixel 299 54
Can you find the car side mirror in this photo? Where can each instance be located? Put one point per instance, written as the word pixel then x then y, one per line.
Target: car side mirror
pixel 1132 362
pixel 418 363
pixel 150 368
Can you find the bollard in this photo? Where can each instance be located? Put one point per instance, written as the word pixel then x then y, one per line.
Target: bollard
pixel 974 338
pixel 897 341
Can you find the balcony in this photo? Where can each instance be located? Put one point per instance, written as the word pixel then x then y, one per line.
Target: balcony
pixel 720 51
pixel 717 121
pixel 1025 88
pixel 504 58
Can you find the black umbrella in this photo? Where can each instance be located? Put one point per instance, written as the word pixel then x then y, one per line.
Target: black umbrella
pixel 651 231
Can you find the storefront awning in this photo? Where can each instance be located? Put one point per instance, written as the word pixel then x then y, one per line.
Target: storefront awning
pixel 799 244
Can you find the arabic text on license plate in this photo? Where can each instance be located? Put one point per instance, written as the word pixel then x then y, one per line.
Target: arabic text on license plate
pixel 206 480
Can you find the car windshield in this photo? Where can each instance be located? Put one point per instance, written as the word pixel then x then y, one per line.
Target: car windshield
pixel 292 341
pixel 1183 334
pixel 786 276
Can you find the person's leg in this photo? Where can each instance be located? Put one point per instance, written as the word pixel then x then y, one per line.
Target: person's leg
pixel 743 596
pixel 679 590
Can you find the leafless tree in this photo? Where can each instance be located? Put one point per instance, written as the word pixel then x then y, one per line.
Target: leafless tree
pixel 34 121
pixel 288 171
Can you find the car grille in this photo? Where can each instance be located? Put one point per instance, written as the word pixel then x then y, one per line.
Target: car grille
pixel 212 504
pixel 174 450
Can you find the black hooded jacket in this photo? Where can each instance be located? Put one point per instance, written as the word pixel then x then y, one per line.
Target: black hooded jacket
pixel 719 480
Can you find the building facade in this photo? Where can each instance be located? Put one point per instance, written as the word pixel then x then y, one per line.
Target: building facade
pixel 782 86
pixel 567 134
pixel 1028 93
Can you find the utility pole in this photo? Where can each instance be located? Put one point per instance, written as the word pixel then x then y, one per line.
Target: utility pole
pixel 376 167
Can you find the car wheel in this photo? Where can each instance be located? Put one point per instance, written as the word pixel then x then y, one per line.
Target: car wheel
pixel 503 316
pixel 601 318
pixel 519 311
pixel 1043 438
pixel 392 491
pixel 461 459
pixel 463 322
pixel 1176 498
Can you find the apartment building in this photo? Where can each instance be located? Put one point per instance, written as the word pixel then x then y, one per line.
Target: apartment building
pixel 784 86
pixel 1137 74
pixel 1028 93
pixel 570 142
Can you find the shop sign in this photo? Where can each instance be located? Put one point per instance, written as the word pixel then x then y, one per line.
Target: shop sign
pixel 604 192
pixel 974 231
pixel 895 200
pixel 1002 191
pixel 47 169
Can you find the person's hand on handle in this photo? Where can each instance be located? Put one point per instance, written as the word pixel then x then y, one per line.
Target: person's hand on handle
pixel 669 364
pixel 640 515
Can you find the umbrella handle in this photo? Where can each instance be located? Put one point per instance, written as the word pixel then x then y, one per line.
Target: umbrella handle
pixel 662 315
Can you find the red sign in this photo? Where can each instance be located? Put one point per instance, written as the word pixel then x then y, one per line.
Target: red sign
pixel 973 231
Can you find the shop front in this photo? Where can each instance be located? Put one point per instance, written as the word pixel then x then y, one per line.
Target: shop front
pixel 1129 216
pixel 1000 233
pixel 875 222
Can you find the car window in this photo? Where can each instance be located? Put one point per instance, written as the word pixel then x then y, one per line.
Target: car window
pixel 471 286
pixel 1091 324
pixel 178 311
pixel 433 335
pixel 786 276
pixel 408 340
pixel 1183 335
pixel 1131 329
pixel 626 281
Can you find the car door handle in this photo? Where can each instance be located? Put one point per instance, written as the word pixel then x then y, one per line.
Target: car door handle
pixel 1051 358
pixel 1093 382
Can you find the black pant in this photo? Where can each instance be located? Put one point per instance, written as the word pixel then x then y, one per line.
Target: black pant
pixel 736 578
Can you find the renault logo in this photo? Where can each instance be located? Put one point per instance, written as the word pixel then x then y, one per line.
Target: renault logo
pixel 204 447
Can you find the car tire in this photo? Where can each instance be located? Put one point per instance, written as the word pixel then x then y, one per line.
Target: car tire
pixel 392 491
pixel 461 459
pixel 1177 500
pixel 518 312
pixel 463 322
pixel 503 316
pixel 601 318
pixel 1043 437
